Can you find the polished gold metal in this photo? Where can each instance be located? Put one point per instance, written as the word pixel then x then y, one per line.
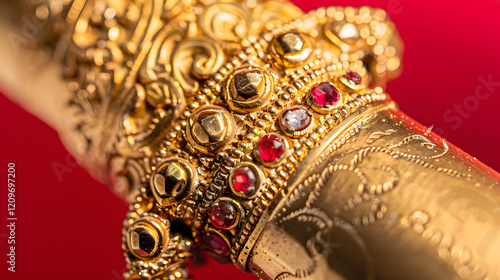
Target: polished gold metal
pixel 173 181
pixel 210 129
pixel 147 236
pixel 291 49
pixel 166 99
pixel 248 89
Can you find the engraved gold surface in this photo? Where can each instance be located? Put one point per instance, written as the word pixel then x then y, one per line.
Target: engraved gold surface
pixel 386 191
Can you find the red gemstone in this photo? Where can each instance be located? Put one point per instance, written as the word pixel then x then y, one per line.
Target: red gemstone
pixel 325 94
pixel 244 180
pixel 353 76
pixel 223 214
pixel 270 148
pixel 217 245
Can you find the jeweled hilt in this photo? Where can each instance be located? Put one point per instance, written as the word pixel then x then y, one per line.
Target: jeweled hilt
pixel 200 111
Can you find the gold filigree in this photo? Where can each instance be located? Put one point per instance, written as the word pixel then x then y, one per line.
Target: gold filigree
pixel 228 23
pixel 195 59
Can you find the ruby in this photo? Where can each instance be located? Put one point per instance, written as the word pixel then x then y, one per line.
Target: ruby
pixel 353 76
pixel 296 118
pixel 244 180
pixel 223 214
pixel 217 245
pixel 325 94
pixel 270 148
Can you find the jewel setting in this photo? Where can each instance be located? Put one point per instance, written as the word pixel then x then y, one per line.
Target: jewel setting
pixel 245 180
pixel 351 81
pixel 296 121
pixel 324 97
pixel 353 77
pixel 216 244
pixel 270 149
pixel 223 215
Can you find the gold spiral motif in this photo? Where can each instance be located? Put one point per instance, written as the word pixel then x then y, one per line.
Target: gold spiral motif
pixel 199 57
pixel 228 23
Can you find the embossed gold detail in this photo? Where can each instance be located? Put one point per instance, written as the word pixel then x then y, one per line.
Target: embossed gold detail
pixel 227 22
pixel 147 236
pixel 248 89
pixel 291 49
pixel 210 129
pixel 173 181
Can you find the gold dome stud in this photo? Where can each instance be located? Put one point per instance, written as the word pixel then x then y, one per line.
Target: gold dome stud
pixel 210 129
pixel 248 85
pixel 173 181
pixel 291 49
pixel 143 241
pixel 248 89
pixel 146 238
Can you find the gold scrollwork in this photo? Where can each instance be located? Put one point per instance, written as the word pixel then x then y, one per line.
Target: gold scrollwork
pixel 275 12
pixel 227 23
pixel 195 59
pixel 151 113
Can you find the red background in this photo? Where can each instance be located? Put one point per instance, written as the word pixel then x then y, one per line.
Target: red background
pixel 71 229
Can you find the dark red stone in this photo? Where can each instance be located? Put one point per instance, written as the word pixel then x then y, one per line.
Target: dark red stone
pixel 270 148
pixel 223 214
pixel 244 180
pixel 325 94
pixel 217 245
pixel 353 76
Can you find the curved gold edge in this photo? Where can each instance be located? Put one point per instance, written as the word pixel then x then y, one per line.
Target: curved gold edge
pixel 303 169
